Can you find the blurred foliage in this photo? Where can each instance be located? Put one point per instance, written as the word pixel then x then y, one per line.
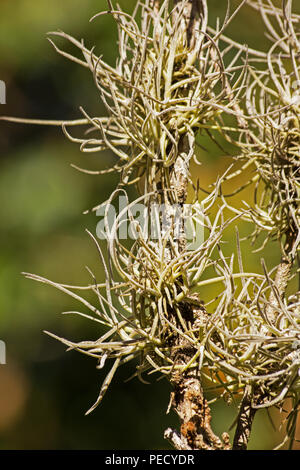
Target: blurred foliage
pixel 44 392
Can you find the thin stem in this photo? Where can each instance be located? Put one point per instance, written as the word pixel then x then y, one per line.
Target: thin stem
pixel 244 421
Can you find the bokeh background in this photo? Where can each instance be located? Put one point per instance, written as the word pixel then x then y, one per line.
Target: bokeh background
pixel 45 391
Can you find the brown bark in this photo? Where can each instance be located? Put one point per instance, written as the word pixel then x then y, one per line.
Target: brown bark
pixel 188 401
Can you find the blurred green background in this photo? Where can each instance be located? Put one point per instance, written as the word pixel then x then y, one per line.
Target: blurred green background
pixel 45 391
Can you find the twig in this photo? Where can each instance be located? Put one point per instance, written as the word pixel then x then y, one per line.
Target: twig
pixel 244 421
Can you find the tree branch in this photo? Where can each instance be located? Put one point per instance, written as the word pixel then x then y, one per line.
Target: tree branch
pixel 187 398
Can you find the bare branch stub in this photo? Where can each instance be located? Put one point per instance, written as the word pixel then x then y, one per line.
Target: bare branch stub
pixel 244 421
